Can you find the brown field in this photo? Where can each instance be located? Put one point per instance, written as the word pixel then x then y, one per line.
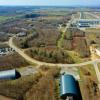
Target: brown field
pixel 46 85
pixel 75 39
pixel 16 89
pixel 93 35
pixel 12 61
pixel 89 83
pixel 31 87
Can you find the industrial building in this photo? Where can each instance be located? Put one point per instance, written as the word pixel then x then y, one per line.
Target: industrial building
pixel 86 23
pixel 68 88
pixel 9 74
pixel 6 51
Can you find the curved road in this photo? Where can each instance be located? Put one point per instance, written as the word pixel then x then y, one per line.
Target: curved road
pixel 32 60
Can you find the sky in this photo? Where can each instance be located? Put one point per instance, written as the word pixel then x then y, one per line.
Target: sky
pixel 52 2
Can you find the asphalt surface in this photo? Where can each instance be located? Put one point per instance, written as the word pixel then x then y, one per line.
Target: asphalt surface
pixel 95 16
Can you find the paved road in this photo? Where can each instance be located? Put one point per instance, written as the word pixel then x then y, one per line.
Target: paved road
pixel 95 16
pixel 82 15
pixel 64 30
pixel 69 23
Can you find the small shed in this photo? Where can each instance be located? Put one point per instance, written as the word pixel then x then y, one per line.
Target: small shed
pixel 68 87
pixel 9 74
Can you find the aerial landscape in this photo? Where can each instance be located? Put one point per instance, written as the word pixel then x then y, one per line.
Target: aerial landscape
pixel 49 50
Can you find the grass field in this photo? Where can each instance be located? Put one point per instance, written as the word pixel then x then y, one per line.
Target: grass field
pixel 88 78
pixel 93 35
pixel 92 30
pixel 56 12
pixel 16 88
pixel 88 16
pixel 3 18
pixel 99 66
pixel 75 57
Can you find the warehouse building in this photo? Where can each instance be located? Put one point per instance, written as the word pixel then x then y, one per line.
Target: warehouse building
pixel 86 23
pixel 68 88
pixel 6 51
pixel 9 74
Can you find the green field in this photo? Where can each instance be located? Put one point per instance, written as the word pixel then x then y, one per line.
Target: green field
pixel 99 66
pixel 3 18
pixel 88 77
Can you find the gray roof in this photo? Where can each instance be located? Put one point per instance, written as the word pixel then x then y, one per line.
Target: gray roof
pixel 8 74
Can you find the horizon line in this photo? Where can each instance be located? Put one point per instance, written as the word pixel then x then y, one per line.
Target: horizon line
pixel 56 5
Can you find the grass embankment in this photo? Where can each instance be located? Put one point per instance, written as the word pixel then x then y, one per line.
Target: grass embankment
pixel 59 44
pixel 88 83
pixel 99 66
pixel 75 57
